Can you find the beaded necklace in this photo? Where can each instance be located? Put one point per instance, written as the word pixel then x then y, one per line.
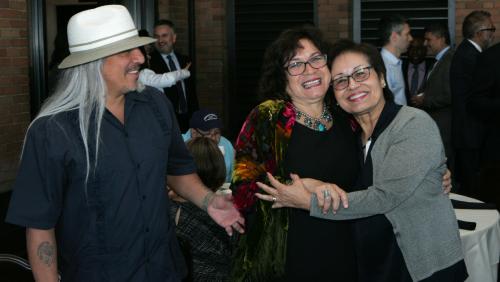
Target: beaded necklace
pixel 318 124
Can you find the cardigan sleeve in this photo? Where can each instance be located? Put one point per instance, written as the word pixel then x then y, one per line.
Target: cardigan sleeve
pixel 410 156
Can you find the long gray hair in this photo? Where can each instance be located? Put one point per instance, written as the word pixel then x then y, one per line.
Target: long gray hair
pixel 81 87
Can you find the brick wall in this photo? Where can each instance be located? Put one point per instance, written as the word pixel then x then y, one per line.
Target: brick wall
pixel 14 86
pixel 335 18
pixel 464 7
pixel 177 12
pixel 211 54
pixel 210 46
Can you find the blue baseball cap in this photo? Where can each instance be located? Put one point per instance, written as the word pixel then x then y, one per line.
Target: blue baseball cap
pixel 205 120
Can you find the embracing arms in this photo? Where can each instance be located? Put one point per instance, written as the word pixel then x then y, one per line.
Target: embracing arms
pixel 407 157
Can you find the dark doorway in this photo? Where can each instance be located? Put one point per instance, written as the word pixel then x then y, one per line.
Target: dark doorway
pixel 252 26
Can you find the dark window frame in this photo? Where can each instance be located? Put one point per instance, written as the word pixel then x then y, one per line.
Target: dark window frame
pixel 357 10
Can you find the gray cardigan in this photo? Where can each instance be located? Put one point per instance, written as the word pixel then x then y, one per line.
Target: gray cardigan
pixel 408 164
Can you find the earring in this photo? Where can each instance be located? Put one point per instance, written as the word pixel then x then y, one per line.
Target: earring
pixel 383 84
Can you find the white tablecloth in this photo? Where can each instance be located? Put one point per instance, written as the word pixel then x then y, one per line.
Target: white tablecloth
pixel 482 245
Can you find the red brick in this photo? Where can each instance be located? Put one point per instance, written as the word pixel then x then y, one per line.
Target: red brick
pixel 18 5
pixel 11 14
pixel 19 23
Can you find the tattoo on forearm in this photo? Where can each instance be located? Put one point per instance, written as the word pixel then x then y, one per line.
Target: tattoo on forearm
pixel 46 253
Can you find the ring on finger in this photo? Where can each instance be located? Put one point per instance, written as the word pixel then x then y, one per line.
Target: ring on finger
pixel 326 194
pixel 274 199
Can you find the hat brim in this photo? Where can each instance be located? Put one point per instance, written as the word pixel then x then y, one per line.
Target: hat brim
pixel 82 57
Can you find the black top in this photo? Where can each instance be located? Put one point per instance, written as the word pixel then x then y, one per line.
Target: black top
pixel 378 254
pixel 379 257
pixel 206 245
pixel 317 249
pixel 115 228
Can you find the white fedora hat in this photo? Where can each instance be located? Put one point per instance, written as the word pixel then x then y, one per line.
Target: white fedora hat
pixel 97 33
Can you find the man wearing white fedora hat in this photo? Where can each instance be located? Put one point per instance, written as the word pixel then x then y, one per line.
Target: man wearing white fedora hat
pixel 91 184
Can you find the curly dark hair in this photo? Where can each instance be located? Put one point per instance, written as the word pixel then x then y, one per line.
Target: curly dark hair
pixel 370 52
pixel 273 80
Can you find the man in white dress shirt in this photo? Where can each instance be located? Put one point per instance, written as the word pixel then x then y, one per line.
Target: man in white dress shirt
pixel 395 36
pixel 165 59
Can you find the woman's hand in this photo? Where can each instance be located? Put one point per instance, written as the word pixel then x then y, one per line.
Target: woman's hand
pixel 293 196
pixel 297 195
pixel 330 195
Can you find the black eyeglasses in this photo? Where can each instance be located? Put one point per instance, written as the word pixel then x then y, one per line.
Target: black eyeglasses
pixel 297 68
pixel 492 29
pixel 358 75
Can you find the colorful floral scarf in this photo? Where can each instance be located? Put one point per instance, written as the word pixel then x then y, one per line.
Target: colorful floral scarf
pixel 261 148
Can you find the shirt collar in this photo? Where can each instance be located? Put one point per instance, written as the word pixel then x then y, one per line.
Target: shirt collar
pixel 136 96
pixel 389 57
pixel 441 53
pixel 476 45
pixel 171 54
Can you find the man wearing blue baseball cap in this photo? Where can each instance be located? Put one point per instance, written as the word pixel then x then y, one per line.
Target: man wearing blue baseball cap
pixel 206 123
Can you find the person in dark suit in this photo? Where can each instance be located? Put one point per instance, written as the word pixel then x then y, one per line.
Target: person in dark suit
pixel 165 59
pixel 416 68
pixel 477 30
pixel 484 103
pixel 436 97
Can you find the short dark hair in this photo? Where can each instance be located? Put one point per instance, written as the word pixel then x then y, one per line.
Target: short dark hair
pixel 473 22
pixel 370 52
pixel 389 24
pixel 273 80
pixel 439 30
pixel 165 22
pixel 210 165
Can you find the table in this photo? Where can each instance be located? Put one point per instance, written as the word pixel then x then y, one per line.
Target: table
pixel 481 246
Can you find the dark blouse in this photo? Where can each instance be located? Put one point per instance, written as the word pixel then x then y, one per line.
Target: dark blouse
pixel 206 245
pixel 321 250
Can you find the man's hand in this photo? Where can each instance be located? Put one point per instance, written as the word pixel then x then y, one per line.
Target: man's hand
pixel 447 182
pixel 418 100
pixel 222 211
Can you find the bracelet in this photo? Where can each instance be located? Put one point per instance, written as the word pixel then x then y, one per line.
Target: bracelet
pixel 206 201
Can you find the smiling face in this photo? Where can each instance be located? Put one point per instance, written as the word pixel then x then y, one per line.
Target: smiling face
pixel 417 51
pixel 121 71
pixel 434 43
pixel 359 97
pixel 166 38
pixel 310 86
